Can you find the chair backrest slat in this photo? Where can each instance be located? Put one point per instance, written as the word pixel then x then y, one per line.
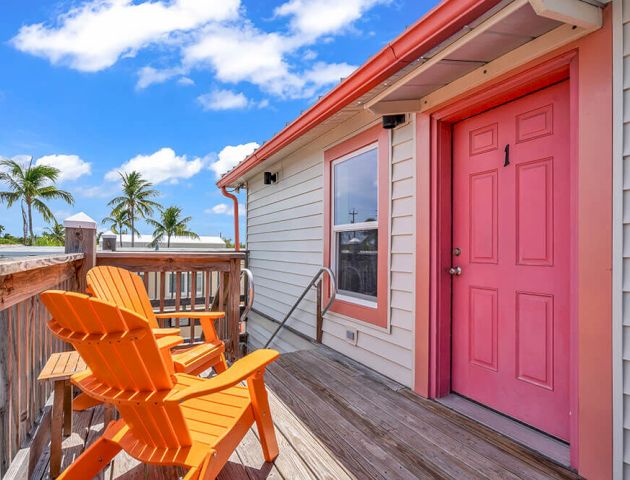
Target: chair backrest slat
pixel 119 348
pixel 123 288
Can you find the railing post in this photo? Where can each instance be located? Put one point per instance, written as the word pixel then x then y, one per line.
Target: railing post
pixel 320 317
pixel 81 238
pixel 234 306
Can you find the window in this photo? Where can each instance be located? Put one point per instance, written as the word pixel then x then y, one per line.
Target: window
pixel 355 224
pixel 356 182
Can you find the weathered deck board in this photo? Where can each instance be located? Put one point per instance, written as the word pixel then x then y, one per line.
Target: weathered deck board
pixel 338 420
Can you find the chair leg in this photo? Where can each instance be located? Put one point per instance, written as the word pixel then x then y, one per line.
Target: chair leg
pixel 210 467
pixel 262 415
pixel 192 474
pixel 92 461
pixel 221 366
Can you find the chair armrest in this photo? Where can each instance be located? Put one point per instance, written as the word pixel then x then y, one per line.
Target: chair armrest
pixel 239 371
pixel 169 342
pixel 165 332
pixel 193 314
pixel 206 319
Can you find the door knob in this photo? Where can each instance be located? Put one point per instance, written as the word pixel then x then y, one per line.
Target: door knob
pixel 456 271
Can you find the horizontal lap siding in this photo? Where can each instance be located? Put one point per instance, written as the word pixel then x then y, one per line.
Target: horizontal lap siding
pixel 626 238
pixel 285 240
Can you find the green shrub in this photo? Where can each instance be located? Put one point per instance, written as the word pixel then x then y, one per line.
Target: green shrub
pixel 47 241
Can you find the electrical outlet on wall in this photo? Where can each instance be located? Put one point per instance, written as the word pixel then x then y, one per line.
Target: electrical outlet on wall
pixel 351 335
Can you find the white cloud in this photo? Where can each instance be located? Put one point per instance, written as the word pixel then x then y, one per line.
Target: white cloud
pixel 309 55
pixel 311 19
pixel 230 156
pixel 148 76
pixel 21 159
pixel 106 190
pixel 327 73
pixel 226 209
pixel 95 35
pixel 246 54
pixel 241 53
pixel 159 167
pixel 223 100
pixel 71 167
pixel 185 81
pixel 205 35
pixel 219 208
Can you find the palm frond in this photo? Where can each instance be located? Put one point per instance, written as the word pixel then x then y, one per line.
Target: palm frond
pixel 43 210
pixel 40 174
pixel 187 234
pixel 53 193
pixel 9 197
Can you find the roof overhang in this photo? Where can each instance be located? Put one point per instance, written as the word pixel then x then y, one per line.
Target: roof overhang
pixel 457 40
pixel 513 36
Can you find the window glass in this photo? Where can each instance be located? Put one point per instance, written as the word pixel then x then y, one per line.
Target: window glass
pixel 357 262
pixel 355 189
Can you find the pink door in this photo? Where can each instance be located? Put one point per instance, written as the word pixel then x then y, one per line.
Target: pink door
pixel 511 194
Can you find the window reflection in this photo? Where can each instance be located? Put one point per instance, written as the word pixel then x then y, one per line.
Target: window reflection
pixel 355 189
pixel 357 255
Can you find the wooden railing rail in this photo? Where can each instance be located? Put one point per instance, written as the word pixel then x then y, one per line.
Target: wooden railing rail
pixel 26 342
pixel 182 281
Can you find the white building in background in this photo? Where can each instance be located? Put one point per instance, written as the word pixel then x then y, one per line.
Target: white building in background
pixel 143 241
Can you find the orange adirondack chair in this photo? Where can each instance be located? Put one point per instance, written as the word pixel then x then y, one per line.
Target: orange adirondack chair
pixel 126 289
pixel 167 418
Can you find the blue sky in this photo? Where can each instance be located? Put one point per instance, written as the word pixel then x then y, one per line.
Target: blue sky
pixel 178 89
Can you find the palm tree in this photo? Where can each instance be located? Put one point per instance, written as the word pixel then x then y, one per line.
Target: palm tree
pixel 172 224
pixel 135 199
pixel 57 233
pixel 31 186
pixel 119 222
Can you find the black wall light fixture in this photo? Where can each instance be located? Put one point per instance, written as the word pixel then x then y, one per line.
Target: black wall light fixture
pixel 270 178
pixel 392 121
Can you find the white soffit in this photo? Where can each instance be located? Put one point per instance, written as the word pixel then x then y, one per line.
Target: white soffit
pixel 514 26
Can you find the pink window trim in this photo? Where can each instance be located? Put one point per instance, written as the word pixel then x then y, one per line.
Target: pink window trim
pixel 375 316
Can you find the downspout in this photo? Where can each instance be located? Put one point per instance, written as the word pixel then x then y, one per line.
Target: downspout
pixel 237 243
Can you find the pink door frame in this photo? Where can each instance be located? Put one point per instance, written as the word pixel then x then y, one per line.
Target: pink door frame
pixel 587 64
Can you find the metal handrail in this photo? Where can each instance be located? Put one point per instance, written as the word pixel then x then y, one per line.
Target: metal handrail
pixel 250 292
pixel 333 294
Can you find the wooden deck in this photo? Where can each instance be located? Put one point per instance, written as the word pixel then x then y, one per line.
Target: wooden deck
pixel 338 420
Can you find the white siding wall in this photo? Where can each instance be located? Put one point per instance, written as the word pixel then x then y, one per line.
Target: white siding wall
pixel 285 241
pixel 622 182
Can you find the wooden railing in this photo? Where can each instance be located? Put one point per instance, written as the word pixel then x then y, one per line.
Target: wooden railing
pixel 26 343
pixel 175 281
pixel 181 281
